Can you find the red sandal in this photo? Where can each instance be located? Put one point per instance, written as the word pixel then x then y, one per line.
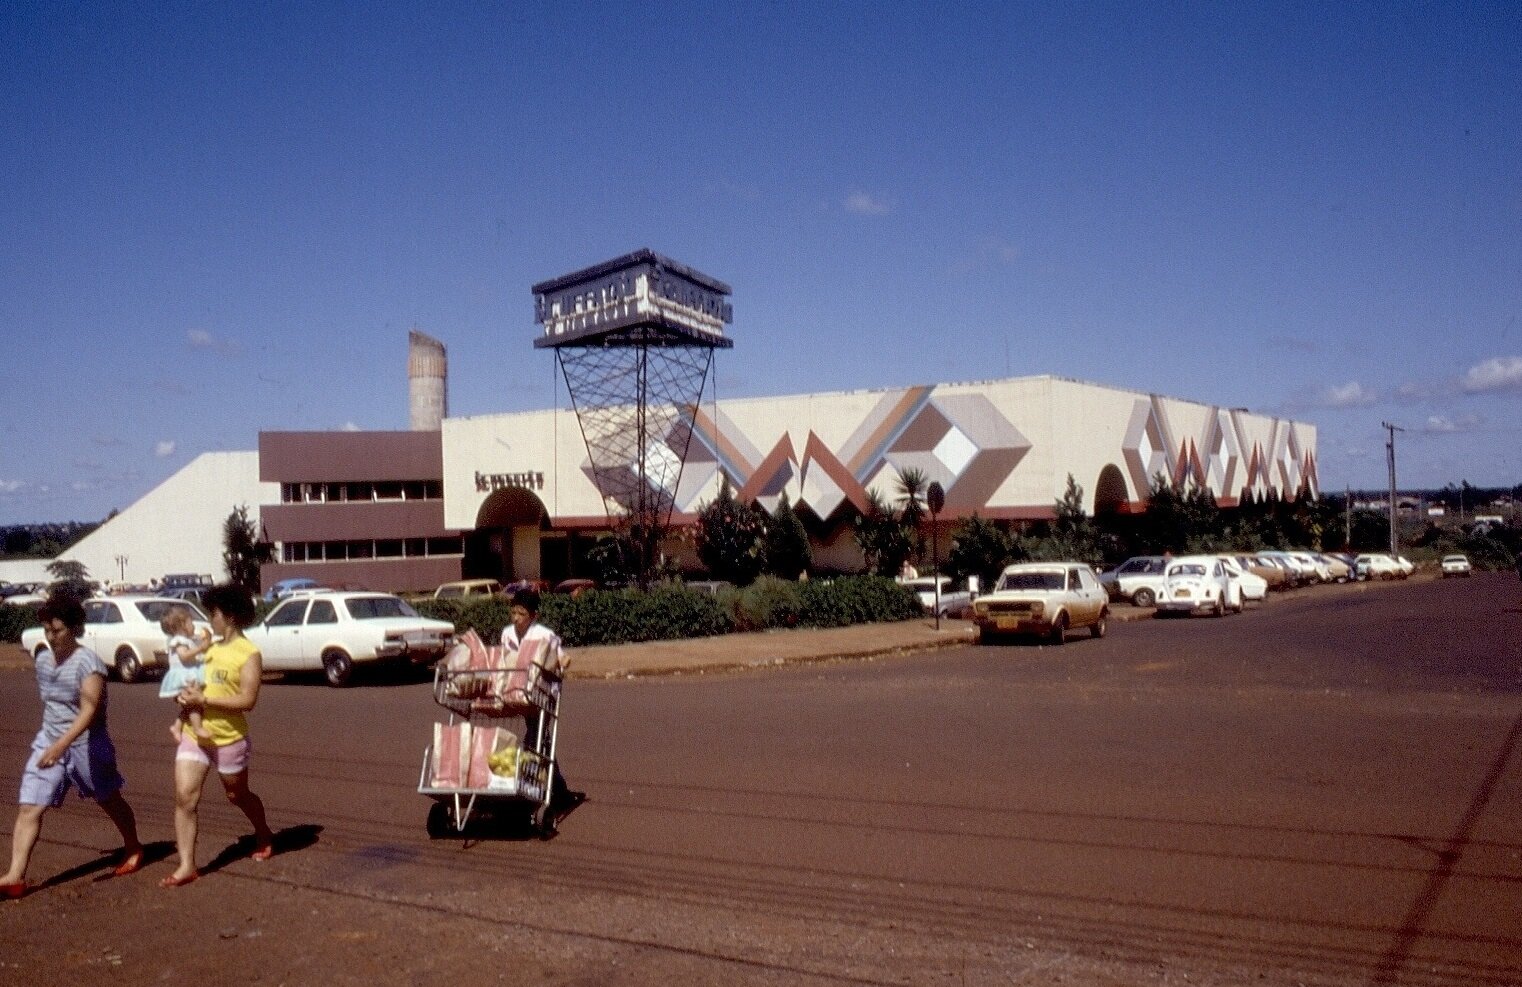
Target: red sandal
pixel 178 882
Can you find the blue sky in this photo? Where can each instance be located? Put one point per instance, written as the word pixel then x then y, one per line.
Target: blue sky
pixel 223 218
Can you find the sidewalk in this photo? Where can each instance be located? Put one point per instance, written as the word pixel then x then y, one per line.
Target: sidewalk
pixel 738 651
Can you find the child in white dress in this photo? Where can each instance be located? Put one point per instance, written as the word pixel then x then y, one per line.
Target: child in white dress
pixel 187 648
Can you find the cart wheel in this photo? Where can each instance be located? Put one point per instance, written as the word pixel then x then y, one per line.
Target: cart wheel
pixel 544 822
pixel 440 825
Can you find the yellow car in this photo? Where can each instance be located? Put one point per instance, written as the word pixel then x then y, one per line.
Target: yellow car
pixel 1046 599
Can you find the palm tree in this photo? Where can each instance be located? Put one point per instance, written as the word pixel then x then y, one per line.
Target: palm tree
pixel 911 489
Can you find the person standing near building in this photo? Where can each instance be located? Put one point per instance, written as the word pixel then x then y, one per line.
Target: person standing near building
pixel 73 747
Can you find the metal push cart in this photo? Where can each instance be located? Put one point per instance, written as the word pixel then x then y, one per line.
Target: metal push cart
pixel 523 783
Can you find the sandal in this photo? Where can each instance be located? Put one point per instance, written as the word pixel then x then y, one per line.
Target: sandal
pixel 131 864
pixel 263 853
pixel 178 882
pixel 13 892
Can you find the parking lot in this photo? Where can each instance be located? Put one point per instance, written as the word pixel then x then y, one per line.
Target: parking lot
pixel 1326 790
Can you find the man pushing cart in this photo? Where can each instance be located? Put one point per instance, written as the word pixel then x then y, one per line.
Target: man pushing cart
pixel 476 762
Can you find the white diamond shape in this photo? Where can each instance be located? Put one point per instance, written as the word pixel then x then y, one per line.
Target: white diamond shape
pixel 955 450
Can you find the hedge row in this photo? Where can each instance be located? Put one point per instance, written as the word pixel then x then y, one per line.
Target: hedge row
pixel 627 616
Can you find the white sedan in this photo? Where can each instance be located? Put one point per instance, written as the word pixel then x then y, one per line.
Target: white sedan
pixel 952 602
pixel 125 632
pixel 1254 587
pixel 1456 565
pixel 332 632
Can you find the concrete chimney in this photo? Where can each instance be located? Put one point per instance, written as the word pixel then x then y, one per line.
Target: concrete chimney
pixel 427 382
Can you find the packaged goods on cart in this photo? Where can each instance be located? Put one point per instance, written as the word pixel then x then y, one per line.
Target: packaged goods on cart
pixel 489 748
pixel 451 755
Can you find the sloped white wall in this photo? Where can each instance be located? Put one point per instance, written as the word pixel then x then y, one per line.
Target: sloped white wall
pixel 175 527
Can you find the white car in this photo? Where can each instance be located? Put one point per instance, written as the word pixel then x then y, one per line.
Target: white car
pixel 125 632
pixel 1378 565
pixel 1254 587
pixel 952 599
pixel 1196 583
pixel 1137 580
pixel 333 632
pixel 1043 598
pixel 1455 565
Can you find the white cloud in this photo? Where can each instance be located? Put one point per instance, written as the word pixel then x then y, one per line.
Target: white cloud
pixel 863 204
pixel 349 427
pixel 1499 373
pixel 164 447
pixel 1349 395
pixel 9 486
pixel 200 339
pixel 1441 425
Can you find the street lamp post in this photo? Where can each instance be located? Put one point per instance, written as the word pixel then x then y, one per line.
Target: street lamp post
pixel 935 499
pixel 121 568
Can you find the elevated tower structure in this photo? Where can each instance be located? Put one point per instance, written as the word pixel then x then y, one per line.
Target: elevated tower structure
pixel 634 337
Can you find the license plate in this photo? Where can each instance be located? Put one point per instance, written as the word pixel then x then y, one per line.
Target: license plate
pixel 1182 593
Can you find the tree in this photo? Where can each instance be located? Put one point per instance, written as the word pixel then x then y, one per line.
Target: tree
pixel 70 577
pixel 786 548
pixel 242 551
pixel 730 538
pixel 980 548
pixel 911 485
pixel 884 541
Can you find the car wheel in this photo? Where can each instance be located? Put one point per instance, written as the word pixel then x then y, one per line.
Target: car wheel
pixel 128 668
pixel 1059 633
pixel 338 668
pixel 1100 626
pixel 440 825
pixel 1144 598
pixel 1220 608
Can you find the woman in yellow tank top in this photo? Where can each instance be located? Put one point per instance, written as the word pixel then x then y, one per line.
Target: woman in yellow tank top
pixel 233 670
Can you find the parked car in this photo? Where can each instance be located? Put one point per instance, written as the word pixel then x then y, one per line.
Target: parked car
pixel 1378 565
pixel 954 599
pixel 1455 565
pixel 334 632
pixel 125 632
pixel 190 594
pixel 1407 567
pixel 574 587
pixel 285 587
pixel 1301 571
pixel 1136 580
pixel 1199 583
pixel 1273 575
pixel 709 587
pixel 1339 570
pixel 1254 587
pixel 464 588
pixel 1043 598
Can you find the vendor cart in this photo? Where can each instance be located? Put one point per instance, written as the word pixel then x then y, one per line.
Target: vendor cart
pixel 478 763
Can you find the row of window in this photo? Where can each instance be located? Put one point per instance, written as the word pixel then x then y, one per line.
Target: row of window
pixel 362 491
pixel 379 548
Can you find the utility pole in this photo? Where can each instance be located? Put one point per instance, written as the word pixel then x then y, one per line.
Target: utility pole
pixel 1390 455
pixel 1347 518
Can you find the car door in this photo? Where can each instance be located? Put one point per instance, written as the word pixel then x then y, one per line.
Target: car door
pixel 1092 593
pixel 321 626
pixel 280 636
pixel 103 628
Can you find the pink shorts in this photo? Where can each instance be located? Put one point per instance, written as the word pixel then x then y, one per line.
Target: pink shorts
pixel 230 759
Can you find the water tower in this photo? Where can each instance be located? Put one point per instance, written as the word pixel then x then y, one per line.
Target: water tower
pixel 634 337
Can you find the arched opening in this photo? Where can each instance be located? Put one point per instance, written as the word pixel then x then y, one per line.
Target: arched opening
pixel 1110 496
pixel 506 543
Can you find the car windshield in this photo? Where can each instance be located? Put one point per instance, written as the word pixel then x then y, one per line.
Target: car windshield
pixel 154 610
pixel 379 607
pixel 1187 569
pixel 1043 579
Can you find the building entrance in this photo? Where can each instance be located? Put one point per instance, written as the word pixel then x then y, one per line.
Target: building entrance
pixel 505 544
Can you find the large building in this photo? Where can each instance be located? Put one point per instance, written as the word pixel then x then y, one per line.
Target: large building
pixel 513 495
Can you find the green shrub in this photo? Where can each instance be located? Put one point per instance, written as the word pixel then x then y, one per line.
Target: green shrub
pixel 768 602
pixel 855 600
pixel 15 619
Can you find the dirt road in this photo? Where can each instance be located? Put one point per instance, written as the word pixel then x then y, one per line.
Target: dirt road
pixel 1324 791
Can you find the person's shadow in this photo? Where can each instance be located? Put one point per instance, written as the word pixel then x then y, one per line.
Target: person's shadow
pixel 288 840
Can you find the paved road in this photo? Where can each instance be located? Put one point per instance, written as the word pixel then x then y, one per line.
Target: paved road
pixel 1324 791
